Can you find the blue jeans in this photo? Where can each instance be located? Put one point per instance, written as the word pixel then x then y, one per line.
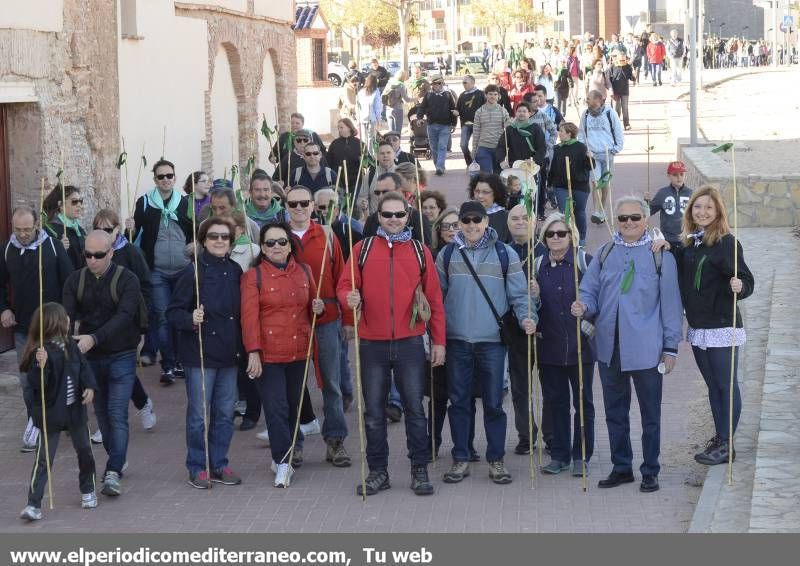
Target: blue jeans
pixel 163 287
pixel 406 360
pixel 617 402
pixel 715 366
pixel 485 158
pixel 438 136
pixel 580 198
pixel 466 136
pixel 20 340
pixel 280 386
pixel 220 386
pixel 396 116
pixel 464 361
pixel 394 396
pixel 601 165
pixel 557 381
pixel 655 70
pixel 115 375
pixel 334 425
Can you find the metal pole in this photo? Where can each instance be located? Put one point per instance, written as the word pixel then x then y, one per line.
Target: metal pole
pixel 775 6
pixel 693 27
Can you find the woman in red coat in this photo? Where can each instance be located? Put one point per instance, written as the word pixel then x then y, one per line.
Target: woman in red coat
pixel 655 55
pixel 278 299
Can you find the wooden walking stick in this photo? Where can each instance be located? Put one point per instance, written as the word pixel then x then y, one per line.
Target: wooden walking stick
pixel 132 201
pixel 43 432
pixel 163 141
pixel 200 342
pixel 531 207
pixel 610 220
pixel 278 145
pixel 122 161
pixel 573 228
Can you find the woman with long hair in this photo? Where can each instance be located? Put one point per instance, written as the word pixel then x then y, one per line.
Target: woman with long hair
pixel 547 80
pixel 345 152
pixel 63 221
pixel 369 108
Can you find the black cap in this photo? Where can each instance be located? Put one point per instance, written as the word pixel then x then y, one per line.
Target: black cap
pixel 471 208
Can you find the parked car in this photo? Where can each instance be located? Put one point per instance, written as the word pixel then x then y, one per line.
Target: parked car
pixel 469 64
pixel 336 73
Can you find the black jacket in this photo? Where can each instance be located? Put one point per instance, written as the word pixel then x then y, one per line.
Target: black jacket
pixel 221 300
pixel 712 305
pixel 113 325
pixel 438 108
pixel 76 241
pixel 148 221
pixel 60 363
pixel 381 75
pixel 371 226
pixel 620 77
pixel 404 157
pixel 518 146
pixel 346 152
pixel 284 138
pixel 467 104
pixel 499 221
pixel 580 166
pixel 19 278
pixel 130 257
pixel 505 100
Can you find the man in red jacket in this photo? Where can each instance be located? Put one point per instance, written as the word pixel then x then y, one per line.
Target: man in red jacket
pixel 387 276
pixel 313 239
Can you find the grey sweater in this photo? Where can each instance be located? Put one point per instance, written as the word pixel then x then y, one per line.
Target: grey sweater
pixel 488 125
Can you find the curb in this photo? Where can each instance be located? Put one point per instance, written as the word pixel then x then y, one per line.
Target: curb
pixel 707 503
pixel 755 71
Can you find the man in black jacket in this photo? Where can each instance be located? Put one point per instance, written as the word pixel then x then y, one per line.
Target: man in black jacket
pixel 620 75
pixel 104 300
pixel 163 227
pixel 467 104
pixel 440 108
pixel 380 73
pixel 19 289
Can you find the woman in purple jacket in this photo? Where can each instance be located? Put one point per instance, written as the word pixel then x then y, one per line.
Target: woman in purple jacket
pixel 558 348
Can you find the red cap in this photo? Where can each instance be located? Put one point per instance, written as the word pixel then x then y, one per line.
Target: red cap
pixel 676 167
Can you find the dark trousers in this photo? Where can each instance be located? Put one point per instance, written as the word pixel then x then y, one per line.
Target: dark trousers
pixel 279 387
pixel 139 395
pixel 79 433
pixel 715 366
pixel 617 402
pixel 437 408
pixel 249 393
pixel 541 196
pixel 557 382
pixel 405 361
pixel 518 375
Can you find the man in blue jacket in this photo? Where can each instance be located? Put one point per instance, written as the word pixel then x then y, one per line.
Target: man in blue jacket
pixel 631 294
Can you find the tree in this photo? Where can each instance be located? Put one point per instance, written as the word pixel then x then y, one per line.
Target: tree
pixel 502 14
pixel 381 29
pixel 404 11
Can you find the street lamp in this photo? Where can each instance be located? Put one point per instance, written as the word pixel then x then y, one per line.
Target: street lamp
pixel 720 29
pixel 744 29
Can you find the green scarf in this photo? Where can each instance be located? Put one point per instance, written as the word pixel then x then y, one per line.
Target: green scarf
pixel 262 216
pixel 570 141
pixel 244 239
pixel 627 279
pixel 69 223
pixel 167 210
pixel 525 134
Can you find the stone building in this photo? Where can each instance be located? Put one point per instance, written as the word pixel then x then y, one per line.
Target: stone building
pixel 187 80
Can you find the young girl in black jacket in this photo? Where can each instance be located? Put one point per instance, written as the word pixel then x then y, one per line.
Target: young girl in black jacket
pixel 708 281
pixel 69 385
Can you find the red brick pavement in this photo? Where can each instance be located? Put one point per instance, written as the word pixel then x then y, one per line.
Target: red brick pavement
pixel 322 499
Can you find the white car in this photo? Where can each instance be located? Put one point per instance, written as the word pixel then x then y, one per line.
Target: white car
pixel 336 73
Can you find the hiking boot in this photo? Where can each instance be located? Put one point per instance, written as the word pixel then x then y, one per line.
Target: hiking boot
pixel 523 447
pixel 394 413
pixel 225 476
pixel 555 467
pixel 97 437
pixel 283 475
pixel 200 480
pixel 711 445
pixel 31 513
pixel 457 472
pixel 420 484
pixel 297 457
pixel 88 500
pixel 167 378
pixel 577 469
pixel 498 473
pixel 310 428
pixel 263 436
pixel 147 415
pixel 717 454
pixel 336 454
pixel 377 480
pixel 111 484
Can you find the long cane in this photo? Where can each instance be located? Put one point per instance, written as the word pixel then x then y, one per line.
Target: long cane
pixel 132 196
pixel 573 228
pixel 41 368
pixel 598 199
pixel 200 342
pixel 127 185
pixel 610 200
pixel 163 141
pixel 531 346
pixel 278 144
pixel 733 335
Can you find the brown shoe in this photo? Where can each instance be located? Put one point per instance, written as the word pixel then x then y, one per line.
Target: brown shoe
pixel 336 454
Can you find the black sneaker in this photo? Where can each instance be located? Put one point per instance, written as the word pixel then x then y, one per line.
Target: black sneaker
pixel 711 444
pixel 649 484
pixel 717 454
pixel 523 447
pixel 178 372
pixel 167 378
pixel 420 484
pixel 377 480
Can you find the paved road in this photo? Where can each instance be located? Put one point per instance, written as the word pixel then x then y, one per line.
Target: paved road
pixel 322 499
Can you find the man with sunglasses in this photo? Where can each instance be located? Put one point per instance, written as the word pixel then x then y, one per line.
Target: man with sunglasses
pixel 296 123
pixel 109 336
pixel 293 154
pixel 163 228
pixel 475 350
pixel 631 294
pixel 312 174
pixel 467 104
pixel 387 280
pixel 391 182
pixel 384 163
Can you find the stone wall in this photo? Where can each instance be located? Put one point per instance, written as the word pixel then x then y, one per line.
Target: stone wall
pixel 763 199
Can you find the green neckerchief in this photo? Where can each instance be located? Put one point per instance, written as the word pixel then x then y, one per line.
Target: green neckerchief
pixel 69 223
pixel 570 141
pixel 262 216
pixel 627 280
pixel 525 134
pixel 242 240
pixel 698 273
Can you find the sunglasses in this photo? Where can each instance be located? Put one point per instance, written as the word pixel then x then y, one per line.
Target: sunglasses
pixel 300 140
pixel 76 201
pixel 106 230
pixel 296 203
pixel 472 220
pixel 310 153
pixel 559 233
pixel 378 193
pixel 224 236
pixel 165 176
pixel 625 217
pixel 280 241
pixel 447 226
pixel 96 255
pixel 398 214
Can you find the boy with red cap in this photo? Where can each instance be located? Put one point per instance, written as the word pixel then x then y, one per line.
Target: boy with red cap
pixel 671 203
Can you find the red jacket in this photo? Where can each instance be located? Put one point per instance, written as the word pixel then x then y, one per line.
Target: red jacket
pixel 387 284
pixel 517 95
pixel 656 52
pixel 310 250
pixel 276 322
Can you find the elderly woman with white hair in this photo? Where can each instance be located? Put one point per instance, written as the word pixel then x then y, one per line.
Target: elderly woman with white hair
pixel 631 294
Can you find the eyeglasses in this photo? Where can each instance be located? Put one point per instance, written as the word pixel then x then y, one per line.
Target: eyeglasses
pixel 485 192
pixel 96 255
pixel 165 176
pixel 472 220
pixel 224 236
pixel 76 201
pixel 322 207
pixel 378 193
pixel 310 153
pixel 398 214
pixel 447 226
pixel 280 241
pixel 559 233
pixel 625 217
pixel 296 203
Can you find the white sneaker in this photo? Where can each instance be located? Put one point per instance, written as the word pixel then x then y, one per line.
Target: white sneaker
pixel 89 500
pixel 283 475
pixel 31 513
pixel 97 437
pixel 147 415
pixel 263 436
pixel 310 428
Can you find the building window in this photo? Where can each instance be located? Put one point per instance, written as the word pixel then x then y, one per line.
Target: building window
pixel 129 27
pixel 436 34
pixel 479 31
pixel 318 60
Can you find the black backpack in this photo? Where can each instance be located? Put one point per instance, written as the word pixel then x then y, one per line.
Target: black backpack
pixel 140 318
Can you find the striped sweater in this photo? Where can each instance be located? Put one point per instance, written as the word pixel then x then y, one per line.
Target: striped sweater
pixel 488 125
